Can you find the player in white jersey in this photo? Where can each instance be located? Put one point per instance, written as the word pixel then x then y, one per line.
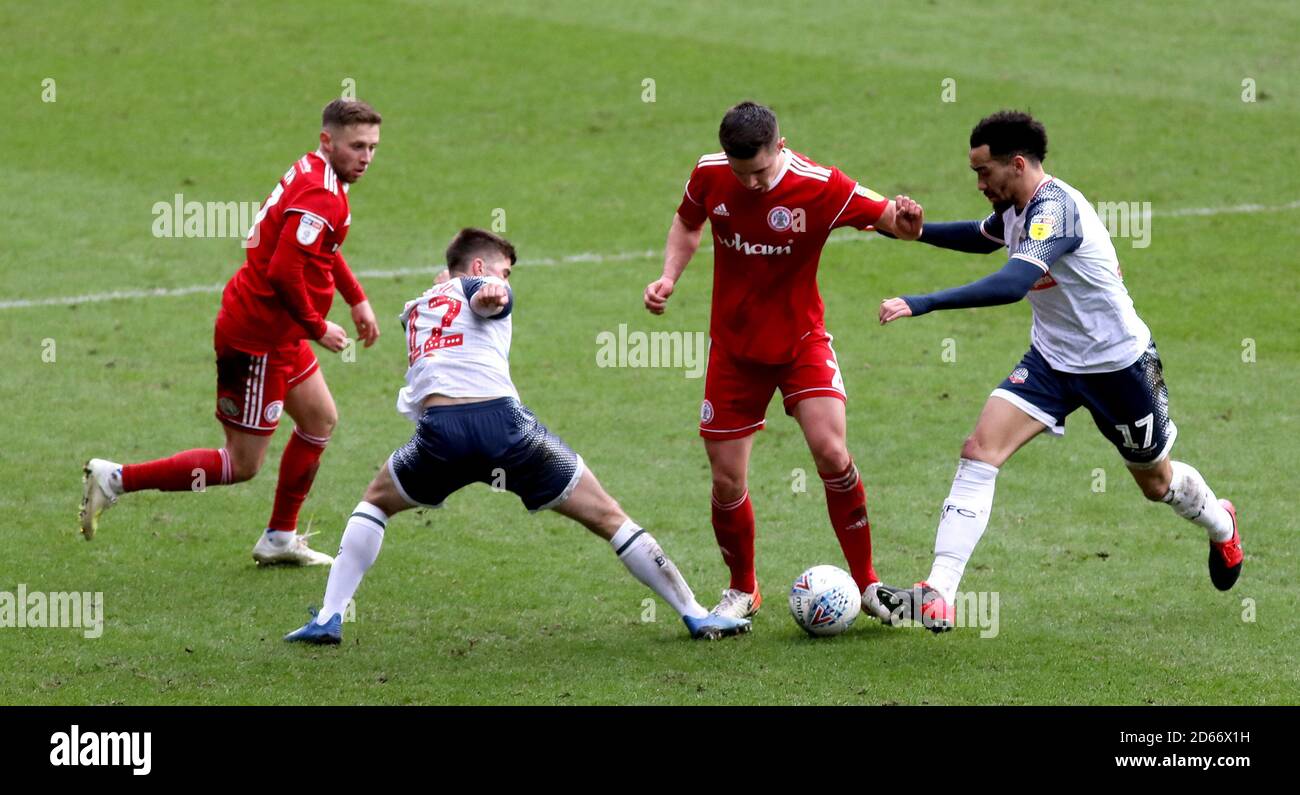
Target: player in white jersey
pixel 1088 348
pixel 471 428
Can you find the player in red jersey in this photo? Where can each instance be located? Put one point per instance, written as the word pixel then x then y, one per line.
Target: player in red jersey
pixel 270 309
pixel 771 210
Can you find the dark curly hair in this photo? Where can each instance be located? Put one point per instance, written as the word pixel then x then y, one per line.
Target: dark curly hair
pixel 1009 133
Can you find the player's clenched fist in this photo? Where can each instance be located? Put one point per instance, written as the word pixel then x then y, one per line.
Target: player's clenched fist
pixel 335 338
pixel 908 218
pixel 491 298
pixel 657 293
pixel 893 309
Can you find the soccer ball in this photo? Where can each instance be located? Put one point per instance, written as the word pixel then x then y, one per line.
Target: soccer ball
pixel 825 600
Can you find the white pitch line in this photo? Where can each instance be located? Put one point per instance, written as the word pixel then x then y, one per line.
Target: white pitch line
pixel 589 257
pixel 1233 210
pixel 169 292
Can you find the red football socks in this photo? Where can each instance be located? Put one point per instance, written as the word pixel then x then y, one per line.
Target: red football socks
pixel 846 502
pixel 192 470
pixel 733 527
pixel 298 468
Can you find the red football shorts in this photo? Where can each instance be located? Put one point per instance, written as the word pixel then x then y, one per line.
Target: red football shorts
pixel 251 387
pixel 736 392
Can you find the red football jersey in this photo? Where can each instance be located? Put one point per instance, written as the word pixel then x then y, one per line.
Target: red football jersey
pixel 767 245
pixel 286 286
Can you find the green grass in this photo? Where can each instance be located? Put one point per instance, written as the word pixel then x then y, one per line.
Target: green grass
pixel 537 110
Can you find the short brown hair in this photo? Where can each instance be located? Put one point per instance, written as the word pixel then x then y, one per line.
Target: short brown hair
pixel 347 112
pixel 470 243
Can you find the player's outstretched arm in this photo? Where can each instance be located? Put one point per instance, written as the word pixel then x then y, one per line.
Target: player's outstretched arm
pixel 683 242
pixel 1004 287
pixel 956 235
pixel 971 237
pixel 965 236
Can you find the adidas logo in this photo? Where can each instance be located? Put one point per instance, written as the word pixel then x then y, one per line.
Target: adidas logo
pixel 721 209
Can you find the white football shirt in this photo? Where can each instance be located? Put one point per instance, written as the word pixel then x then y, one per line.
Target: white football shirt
pixel 1084 320
pixel 451 349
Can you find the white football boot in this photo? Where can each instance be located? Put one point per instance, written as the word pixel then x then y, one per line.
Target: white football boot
pixel 738 604
pixel 101 485
pixel 872 606
pixel 294 553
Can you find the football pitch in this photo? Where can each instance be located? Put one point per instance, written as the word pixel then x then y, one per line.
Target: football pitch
pixel 573 128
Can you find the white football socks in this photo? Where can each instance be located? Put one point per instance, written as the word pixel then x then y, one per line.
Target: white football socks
pixel 965 515
pixel 642 556
pixel 1191 498
pixel 357 552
